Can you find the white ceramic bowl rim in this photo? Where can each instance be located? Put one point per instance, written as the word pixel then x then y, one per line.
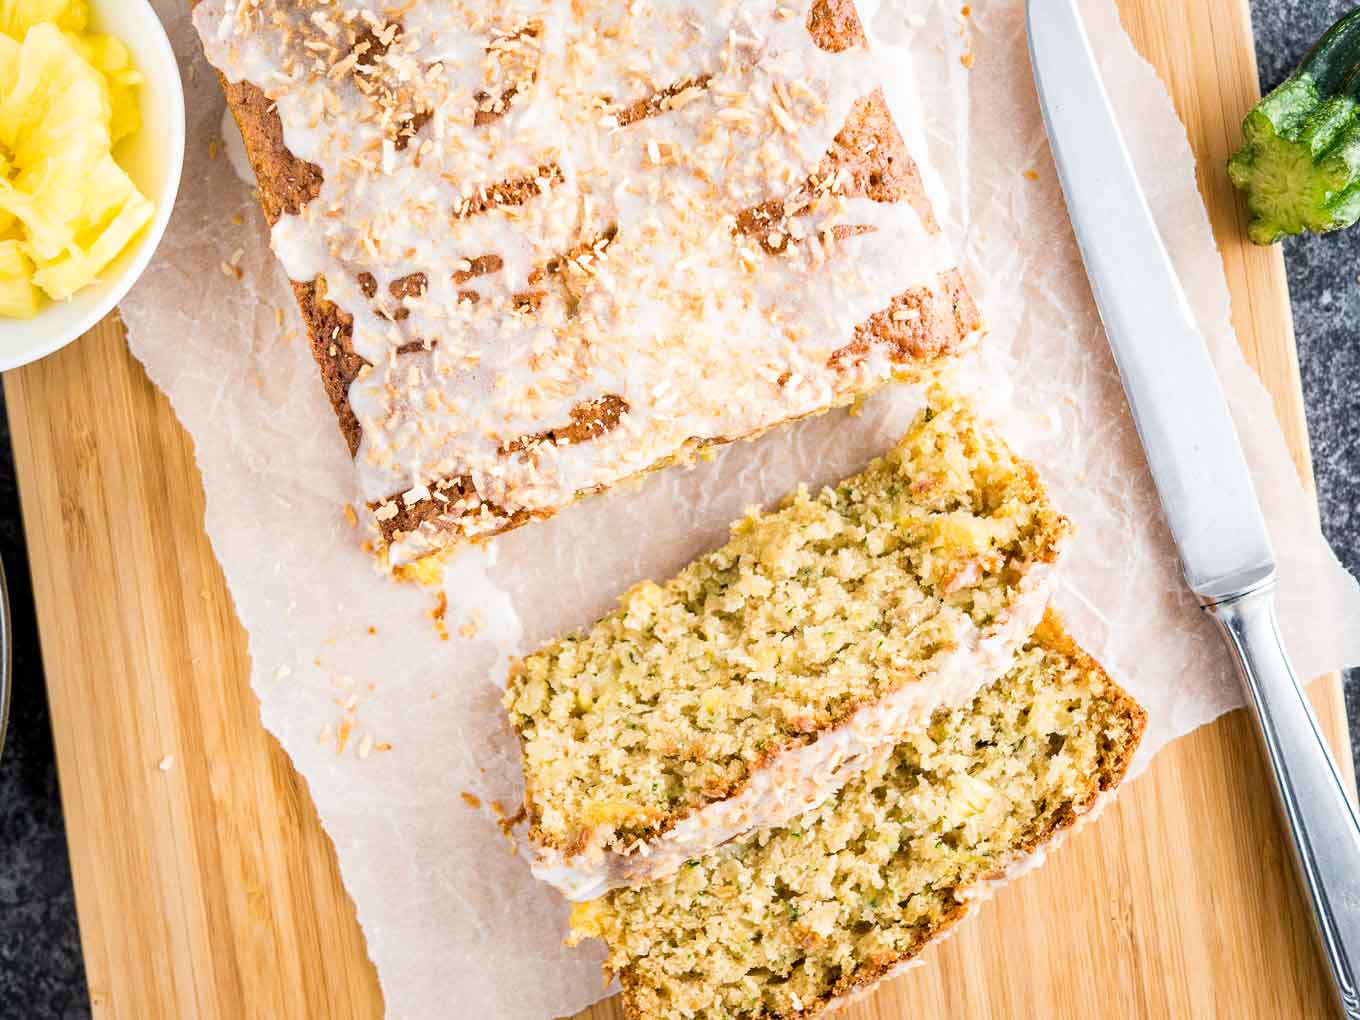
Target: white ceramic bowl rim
pixel 58 323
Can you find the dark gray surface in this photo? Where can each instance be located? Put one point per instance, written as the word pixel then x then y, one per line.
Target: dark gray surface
pixel 41 973
pixel 1324 284
pixel 41 976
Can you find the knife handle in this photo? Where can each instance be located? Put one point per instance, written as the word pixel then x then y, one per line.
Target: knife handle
pixel 1322 823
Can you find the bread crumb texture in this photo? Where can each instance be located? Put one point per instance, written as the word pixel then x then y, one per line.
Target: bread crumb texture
pixel 780 923
pixel 808 613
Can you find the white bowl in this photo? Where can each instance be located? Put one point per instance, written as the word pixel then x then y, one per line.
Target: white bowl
pixel 152 156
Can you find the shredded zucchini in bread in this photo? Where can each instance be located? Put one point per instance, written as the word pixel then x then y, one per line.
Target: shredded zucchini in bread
pixel 784 922
pixel 809 618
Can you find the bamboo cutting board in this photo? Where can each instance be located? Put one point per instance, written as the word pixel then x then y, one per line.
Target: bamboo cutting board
pixel 206 888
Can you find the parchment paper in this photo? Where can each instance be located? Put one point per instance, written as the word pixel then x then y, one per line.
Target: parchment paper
pixel 390 724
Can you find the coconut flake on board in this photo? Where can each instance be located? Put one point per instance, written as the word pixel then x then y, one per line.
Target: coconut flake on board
pixel 338 649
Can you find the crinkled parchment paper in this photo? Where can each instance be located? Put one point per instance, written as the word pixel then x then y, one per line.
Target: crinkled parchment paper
pixel 390 724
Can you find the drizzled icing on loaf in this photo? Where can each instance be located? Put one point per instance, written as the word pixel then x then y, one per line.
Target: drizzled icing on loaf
pixel 552 244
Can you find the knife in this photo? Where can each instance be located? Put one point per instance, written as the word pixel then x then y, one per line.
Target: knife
pixel 1197 465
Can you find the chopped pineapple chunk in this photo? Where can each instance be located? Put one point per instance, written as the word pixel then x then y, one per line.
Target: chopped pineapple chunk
pixel 114 213
pixel 8 223
pixel 9 67
pixel 589 920
pixel 18 297
pixel 974 794
pixel 67 209
pixel 612 812
pixel 18 16
pixel 110 57
pixel 428 570
pixel 54 123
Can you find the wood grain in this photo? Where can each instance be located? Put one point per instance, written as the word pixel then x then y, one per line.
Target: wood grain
pixel 207 888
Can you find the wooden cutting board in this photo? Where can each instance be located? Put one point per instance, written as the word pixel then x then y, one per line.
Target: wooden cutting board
pixel 206 888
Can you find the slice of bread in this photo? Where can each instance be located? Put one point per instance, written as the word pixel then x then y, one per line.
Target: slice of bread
pixel 792 921
pixel 767 673
pixel 501 324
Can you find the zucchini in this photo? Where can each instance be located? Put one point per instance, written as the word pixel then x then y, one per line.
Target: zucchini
pixel 1300 166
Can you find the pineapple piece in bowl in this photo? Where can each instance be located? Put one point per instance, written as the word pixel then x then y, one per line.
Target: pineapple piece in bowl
pixel 76 208
pixel 91 144
pixel 17 16
pixel 18 297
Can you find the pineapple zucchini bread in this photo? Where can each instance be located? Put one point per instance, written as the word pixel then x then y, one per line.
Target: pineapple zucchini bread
pixel 541 246
pixel 765 674
pixel 791 921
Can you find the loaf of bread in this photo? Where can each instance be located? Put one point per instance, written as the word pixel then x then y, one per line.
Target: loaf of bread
pixel 542 246
pixel 764 675
pixel 790 922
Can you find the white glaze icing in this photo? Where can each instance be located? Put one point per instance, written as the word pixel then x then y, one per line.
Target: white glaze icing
pixel 235 149
pixel 801 778
pixel 702 334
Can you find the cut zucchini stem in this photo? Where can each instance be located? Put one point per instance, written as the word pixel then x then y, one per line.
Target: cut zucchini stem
pixel 1300 166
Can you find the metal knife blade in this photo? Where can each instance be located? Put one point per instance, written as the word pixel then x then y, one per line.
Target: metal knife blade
pixel 1173 391
pixel 1199 470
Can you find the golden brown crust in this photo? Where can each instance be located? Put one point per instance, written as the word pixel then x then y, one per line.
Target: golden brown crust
pixel 835 26
pixel 870 149
pixel 919 326
pixel 869 152
pixel 331 334
pixel 512 192
pixel 588 420
pixel 658 102
pixel 286 183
